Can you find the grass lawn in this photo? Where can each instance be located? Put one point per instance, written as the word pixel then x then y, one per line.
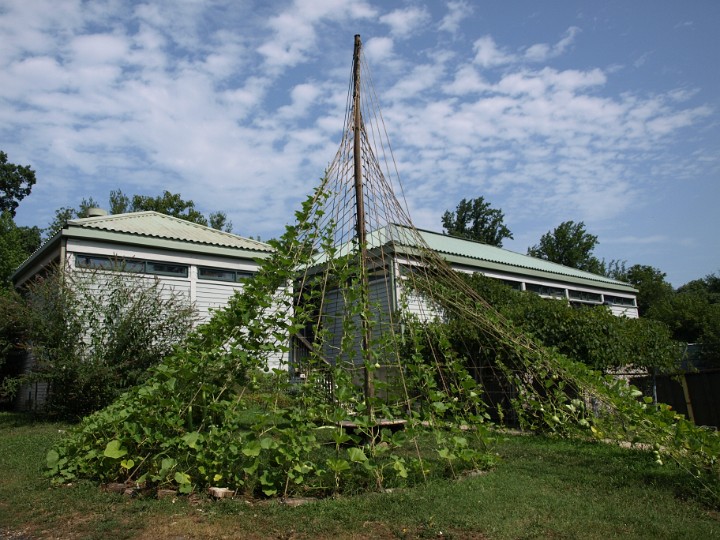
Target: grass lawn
pixel 542 488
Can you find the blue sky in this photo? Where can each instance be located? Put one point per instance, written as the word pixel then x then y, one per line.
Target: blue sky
pixel 602 112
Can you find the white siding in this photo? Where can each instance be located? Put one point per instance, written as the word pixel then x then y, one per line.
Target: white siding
pixel 213 295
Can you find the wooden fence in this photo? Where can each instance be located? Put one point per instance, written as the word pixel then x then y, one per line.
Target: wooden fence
pixel 696 395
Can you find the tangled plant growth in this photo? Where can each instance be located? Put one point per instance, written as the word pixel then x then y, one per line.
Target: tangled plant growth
pixel 197 420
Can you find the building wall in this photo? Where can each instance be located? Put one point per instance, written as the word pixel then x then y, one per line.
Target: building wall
pixel 206 294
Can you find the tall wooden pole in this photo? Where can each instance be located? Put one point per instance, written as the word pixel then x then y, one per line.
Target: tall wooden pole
pixel 369 384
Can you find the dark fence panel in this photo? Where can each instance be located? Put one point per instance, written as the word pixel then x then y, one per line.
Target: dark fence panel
pixel 703 390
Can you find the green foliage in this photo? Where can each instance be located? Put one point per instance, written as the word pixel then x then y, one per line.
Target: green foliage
pixel 168 203
pixel 648 280
pixel 171 204
pixel 571 245
pixel 219 220
pixel 16 245
pixel 197 420
pixel 476 220
pixel 16 182
pixel 591 335
pixel 205 417
pixel 66 213
pixel 12 319
pixel 693 315
pixel 94 334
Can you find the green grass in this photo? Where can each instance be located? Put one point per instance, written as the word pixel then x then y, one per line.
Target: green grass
pixel 542 488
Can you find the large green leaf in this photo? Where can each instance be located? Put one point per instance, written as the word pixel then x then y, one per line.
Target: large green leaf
pixel 114 450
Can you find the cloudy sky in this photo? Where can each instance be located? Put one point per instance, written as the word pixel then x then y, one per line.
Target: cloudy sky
pixel 603 112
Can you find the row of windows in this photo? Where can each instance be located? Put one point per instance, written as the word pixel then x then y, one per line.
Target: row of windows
pixel 554 292
pixel 120 264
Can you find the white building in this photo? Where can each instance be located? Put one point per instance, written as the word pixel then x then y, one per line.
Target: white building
pixel 203 264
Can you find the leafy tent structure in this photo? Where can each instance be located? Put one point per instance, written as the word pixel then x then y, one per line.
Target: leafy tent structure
pixel 379 334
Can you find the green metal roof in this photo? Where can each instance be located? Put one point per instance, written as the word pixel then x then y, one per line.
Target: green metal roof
pixel 155 225
pixel 483 256
pixel 153 230
pixel 480 257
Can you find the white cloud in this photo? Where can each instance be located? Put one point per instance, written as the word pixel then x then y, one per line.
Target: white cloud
pixel 379 49
pixel 457 11
pixel 403 22
pixel 487 53
pixel 303 96
pixel 467 80
pixel 294 30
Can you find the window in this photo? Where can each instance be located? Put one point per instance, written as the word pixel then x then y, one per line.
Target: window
pixel 545 290
pixel 619 301
pixel 166 269
pixel 120 264
pixel 516 285
pixel 377 274
pixel 117 264
pixel 584 296
pixel 223 274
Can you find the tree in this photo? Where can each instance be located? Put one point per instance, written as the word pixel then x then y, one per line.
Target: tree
pixel 693 315
pixel 119 202
pixel 171 204
pixel 16 182
pixel 16 245
pixel 648 280
pixel 477 220
pixel 66 213
pixel 219 221
pixel 570 245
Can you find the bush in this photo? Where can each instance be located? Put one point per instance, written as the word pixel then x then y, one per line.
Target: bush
pixel 92 335
pixel 591 335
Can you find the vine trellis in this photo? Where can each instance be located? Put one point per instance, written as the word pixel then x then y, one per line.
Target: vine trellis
pixel 372 331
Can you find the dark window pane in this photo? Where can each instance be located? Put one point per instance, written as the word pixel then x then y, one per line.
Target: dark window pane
pixel 216 274
pixel 167 269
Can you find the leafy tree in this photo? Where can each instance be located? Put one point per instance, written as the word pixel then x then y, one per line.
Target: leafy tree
pixel 171 204
pixel 571 245
pixel 707 287
pixel 648 280
pixel 476 220
pixel 218 220
pixel 168 203
pixel 66 213
pixel 119 202
pixel 16 245
pixel 693 315
pixel 16 182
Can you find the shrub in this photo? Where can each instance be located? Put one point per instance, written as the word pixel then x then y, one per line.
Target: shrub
pixel 93 334
pixel 591 335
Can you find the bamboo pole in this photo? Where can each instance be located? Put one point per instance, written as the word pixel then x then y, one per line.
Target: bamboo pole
pixel 369 384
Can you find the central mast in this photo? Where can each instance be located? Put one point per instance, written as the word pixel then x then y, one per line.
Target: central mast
pixel 361 232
